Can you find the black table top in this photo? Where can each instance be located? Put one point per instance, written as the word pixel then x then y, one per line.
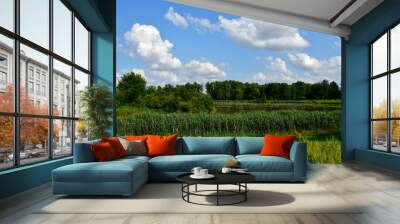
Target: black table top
pixel 220 178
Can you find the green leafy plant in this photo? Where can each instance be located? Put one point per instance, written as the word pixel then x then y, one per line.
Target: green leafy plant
pixel 96 102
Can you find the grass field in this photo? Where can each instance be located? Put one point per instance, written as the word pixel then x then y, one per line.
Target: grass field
pixel 319 129
pixel 273 105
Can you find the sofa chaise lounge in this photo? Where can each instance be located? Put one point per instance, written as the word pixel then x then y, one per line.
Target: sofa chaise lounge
pixel 125 176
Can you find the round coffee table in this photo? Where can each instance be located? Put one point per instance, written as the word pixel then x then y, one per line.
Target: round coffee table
pixel 238 179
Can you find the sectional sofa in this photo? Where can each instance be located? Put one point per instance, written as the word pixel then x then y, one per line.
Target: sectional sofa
pixel 125 176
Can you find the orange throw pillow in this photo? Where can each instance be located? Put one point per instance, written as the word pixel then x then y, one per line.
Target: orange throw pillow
pixel 277 145
pixel 116 145
pixel 103 152
pixel 161 145
pixel 136 137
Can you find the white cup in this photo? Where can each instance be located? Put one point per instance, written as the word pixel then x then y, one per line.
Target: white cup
pixel 203 172
pixel 226 170
pixel 196 171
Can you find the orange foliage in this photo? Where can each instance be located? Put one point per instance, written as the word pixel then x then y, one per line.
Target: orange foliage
pixel 380 127
pixel 33 130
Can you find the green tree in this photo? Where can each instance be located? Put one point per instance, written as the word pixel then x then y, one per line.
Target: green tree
pixel 96 102
pixel 334 91
pixel 130 88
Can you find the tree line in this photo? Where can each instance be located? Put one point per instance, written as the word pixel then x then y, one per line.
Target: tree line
pixel 133 90
pixel 235 90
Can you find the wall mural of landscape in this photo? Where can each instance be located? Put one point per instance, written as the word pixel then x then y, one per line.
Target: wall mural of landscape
pixel 193 72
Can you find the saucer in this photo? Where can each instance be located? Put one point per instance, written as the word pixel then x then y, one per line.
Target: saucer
pixel 208 176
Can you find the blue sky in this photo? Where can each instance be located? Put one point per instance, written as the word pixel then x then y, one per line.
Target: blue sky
pixel 174 44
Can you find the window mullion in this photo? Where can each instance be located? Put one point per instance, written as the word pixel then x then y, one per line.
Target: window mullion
pixel 73 82
pixel 389 105
pixel 16 69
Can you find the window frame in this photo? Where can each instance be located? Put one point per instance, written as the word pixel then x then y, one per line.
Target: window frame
pixel 388 74
pixel 16 114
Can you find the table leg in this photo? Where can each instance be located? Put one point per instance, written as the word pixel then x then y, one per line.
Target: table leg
pixel 188 190
pixel 245 193
pixel 217 194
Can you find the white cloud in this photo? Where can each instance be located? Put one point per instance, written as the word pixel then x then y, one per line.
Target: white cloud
pixel 205 69
pixel 145 41
pixel 252 33
pixel 305 61
pixel 203 24
pixel 276 71
pixel 176 18
pixel 308 70
pixel 262 35
pixel 329 69
pixel 168 76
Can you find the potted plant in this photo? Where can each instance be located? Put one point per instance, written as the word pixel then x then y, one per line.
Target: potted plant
pixel 96 102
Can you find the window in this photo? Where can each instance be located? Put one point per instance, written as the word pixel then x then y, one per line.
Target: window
pixel 385 92
pixel 62 29
pixel 81 82
pixel 6 73
pixel 30 87
pixel 38 89
pixel 3 61
pixel 3 78
pixel 62 74
pixel 7 14
pixel 35 21
pixel 81 45
pixel 44 116
pixel 34 145
pixel 6 142
pixel 37 74
pixel 31 76
pixel 44 91
pixel 62 137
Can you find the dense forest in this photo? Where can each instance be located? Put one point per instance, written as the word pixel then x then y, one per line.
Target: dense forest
pixel 133 91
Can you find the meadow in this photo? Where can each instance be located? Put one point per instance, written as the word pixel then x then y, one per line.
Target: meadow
pixel 230 106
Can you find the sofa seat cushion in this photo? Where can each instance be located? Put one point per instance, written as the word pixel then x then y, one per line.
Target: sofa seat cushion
pixel 185 163
pixel 112 171
pixel 257 163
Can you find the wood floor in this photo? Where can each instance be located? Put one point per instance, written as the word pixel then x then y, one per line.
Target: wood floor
pixel 379 189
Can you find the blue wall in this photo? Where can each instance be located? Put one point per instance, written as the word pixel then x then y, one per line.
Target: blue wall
pixel 99 15
pixel 355 82
pixel 24 178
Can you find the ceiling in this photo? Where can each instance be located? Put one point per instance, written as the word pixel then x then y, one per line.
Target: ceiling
pixel 327 16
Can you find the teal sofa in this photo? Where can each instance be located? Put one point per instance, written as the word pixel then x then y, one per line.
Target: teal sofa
pixel 125 176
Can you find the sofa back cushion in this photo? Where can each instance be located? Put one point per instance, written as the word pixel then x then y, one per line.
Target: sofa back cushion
pixel 277 145
pixel 116 145
pixel 161 145
pixel 83 152
pixel 207 145
pixel 104 152
pixel 249 145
